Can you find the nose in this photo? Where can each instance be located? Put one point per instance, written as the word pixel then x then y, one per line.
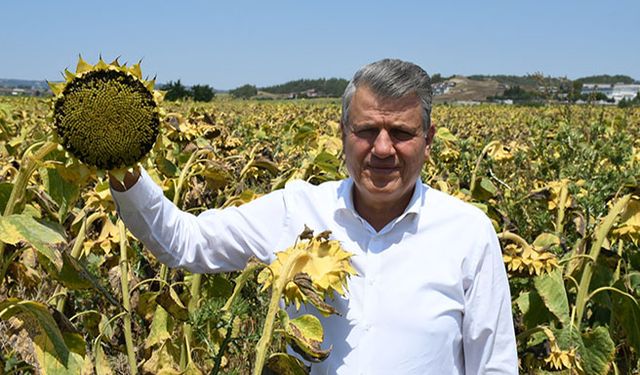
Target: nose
pixel 383 145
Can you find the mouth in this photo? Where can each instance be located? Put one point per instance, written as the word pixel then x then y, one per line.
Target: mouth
pixel 382 169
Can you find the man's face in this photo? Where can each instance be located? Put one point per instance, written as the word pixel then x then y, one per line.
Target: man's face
pixel 385 147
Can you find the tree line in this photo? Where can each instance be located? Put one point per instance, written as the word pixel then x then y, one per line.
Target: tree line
pixel 177 91
pixel 331 88
pixel 520 88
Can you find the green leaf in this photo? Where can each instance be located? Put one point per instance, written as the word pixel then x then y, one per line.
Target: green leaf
pixel 105 327
pixel 627 314
pixel 168 298
pixel 74 275
pixel 102 363
pixel 446 135
pixel 326 162
pixel 161 328
pixel 146 305
pixel 595 349
pixel 285 364
pixel 75 342
pixel 488 186
pixel 266 164
pixel 484 190
pixel 191 369
pixel 166 167
pixel 77 363
pixel 216 174
pixel 634 260
pixel 304 134
pixel 16 228
pixel 634 281
pixel 63 192
pixel 551 288
pixel 5 193
pixel 163 360
pixel 217 286
pixel 546 241
pixel 534 311
pixel 305 335
pixel 603 276
pixel 597 352
pixel 53 341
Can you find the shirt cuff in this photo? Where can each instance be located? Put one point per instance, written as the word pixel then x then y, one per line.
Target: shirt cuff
pixel 140 195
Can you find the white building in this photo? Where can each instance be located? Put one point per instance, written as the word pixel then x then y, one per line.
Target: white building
pixel 592 88
pixel 442 88
pixel 625 92
pixel 617 91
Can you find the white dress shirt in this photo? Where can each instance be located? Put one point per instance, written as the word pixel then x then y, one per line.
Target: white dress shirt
pixel 431 295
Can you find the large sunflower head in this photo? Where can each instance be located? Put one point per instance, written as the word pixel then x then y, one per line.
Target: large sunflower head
pixel 106 115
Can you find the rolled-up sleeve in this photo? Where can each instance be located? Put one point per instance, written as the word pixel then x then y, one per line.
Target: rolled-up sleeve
pixel 214 241
pixel 488 335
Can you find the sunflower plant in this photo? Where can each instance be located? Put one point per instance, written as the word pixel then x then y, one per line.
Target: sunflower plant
pixel 308 272
pixel 107 117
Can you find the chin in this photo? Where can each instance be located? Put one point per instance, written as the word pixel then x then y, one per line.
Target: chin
pixel 384 189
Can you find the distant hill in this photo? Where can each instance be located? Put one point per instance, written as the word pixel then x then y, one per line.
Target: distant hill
pixel 607 79
pixel 530 81
pixel 465 89
pixel 332 87
pixel 23 84
pixel 476 87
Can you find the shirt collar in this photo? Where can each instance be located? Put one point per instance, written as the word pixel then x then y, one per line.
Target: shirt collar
pixel 345 199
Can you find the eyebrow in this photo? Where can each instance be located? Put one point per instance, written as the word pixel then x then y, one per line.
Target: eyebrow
pixel 396 126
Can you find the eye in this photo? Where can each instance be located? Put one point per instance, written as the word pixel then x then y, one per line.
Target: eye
pixel 402 135
pixel 367 133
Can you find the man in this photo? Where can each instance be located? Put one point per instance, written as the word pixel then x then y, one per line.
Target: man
pixel 431 295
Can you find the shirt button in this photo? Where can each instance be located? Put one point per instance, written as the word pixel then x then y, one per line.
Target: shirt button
pixel 371 281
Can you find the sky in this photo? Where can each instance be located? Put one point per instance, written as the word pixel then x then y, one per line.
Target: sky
pixel 228 44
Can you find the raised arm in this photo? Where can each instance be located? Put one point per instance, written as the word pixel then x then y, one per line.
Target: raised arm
pixel 214 241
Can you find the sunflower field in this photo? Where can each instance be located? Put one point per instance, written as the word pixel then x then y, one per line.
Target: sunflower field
pixel 80 295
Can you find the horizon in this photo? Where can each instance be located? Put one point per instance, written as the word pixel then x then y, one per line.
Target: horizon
pixel 248 42
pixel 160 84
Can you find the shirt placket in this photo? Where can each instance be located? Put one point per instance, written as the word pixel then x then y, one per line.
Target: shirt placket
pixel 370 303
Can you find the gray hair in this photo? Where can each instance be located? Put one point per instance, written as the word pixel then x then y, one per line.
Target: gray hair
pixel 391 78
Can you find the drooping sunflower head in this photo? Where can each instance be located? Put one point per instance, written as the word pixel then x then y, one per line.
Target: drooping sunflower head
pixel 321 261
pixel 106 115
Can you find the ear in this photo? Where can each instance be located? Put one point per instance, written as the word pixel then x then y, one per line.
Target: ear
pixel 429 138
pixel 342 131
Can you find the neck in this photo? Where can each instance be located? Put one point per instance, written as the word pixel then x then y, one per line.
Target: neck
pixel 379 213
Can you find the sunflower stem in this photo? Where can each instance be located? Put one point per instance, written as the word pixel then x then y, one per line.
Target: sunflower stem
pixel 185 352
pixel 196 280
pixel 27 167
pixel 274 306
pixel 241 280
pixel 124 283
pixel 184 174
pixel 509 236
pixel 75 253
pixel 474 174
pixel 562 202
pixel 601 232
